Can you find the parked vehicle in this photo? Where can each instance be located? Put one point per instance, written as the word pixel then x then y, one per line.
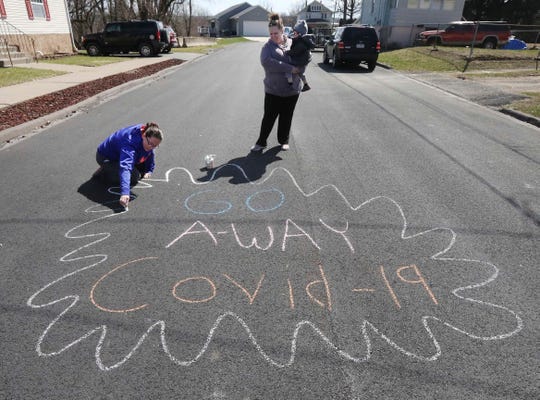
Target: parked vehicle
pixel 168 36
pixel 288 31
pixel 320 36
pixel 353 44
pixel 123 37
pixel 489 35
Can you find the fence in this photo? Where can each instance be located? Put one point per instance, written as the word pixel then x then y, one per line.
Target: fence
pixel 14 43
pixel 406 36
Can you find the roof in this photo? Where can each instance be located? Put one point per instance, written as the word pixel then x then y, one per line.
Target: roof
pixel 246 11
pixel 232 8
pixel 308 7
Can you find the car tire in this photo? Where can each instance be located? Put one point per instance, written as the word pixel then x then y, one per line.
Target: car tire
pixel 325 57
pixel 490 44
pixel 371 65
pixel 166 49
pixel 93 50
pixel 335 62
pixel 146 50
pixel 433 41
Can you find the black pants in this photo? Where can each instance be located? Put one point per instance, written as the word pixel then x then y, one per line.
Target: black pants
pixel 111 170
pixel 276 106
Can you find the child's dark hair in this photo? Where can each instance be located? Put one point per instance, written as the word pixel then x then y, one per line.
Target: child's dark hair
pixel 275 20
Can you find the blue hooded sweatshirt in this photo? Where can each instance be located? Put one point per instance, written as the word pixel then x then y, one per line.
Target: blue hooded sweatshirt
pixel 126 147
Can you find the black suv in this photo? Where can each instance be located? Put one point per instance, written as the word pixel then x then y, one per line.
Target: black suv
pixel 353 44
pixel 123 37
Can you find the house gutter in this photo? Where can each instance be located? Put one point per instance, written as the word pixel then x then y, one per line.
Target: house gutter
pixel 73 46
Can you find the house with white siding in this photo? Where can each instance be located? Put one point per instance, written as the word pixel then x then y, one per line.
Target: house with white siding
pixel 317 16
pixel 398 21
pixel 35 27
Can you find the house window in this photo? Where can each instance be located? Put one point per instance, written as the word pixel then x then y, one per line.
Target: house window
pixel 449 4
pixel 38 8
pixel 432 4
pixel 315 8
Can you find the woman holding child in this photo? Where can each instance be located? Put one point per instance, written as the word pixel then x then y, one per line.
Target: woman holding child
pixel 280 96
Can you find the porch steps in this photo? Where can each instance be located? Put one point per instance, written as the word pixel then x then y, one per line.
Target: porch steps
pixel 17 57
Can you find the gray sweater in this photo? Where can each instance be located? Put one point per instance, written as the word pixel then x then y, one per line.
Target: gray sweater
pixel 275 64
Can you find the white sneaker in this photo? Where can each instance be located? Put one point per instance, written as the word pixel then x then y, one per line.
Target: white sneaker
pixel 257 147
pixel 285 147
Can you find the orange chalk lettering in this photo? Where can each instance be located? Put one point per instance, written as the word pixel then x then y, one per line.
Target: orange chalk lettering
pixel 95 285
pixel 291 296
pixel 324 281
pixel 250 296
pixel 392 293
pixel 199 278
pixel 420 280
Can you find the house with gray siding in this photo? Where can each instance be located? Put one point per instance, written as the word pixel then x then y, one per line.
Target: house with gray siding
pixel 252 21
pixel 222 25
pixel 398 21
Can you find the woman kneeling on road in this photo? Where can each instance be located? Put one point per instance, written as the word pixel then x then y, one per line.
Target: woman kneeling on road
pixel 127 155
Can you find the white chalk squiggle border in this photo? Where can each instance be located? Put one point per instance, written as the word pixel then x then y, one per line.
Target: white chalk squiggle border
pixel 72 300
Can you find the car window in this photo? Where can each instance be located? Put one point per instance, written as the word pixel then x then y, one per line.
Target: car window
pixel 494 27
pixel 113 28
pixel 356 35
pixel 130 28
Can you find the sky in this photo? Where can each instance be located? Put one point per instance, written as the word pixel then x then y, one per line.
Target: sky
pixel 279 6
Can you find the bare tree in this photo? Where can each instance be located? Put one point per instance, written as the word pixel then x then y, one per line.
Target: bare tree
pixel 185 16
pixel 348 8
pixel 298 6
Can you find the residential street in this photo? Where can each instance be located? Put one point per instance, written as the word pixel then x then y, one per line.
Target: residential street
pixel 392 253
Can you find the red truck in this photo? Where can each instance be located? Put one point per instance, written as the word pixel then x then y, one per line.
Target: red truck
pixel 489 35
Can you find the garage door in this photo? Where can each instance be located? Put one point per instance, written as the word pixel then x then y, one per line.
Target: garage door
pixel 255 28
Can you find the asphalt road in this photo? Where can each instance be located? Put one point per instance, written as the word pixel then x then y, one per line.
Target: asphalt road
pixel 391 253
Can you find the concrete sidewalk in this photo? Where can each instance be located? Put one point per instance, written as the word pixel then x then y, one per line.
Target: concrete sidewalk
pixel 75 75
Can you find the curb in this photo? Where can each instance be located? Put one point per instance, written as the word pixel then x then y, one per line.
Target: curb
pixel 521 116
pixel 512 113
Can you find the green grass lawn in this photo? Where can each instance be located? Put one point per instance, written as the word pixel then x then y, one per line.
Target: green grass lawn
pixel 483 64
pixel 15 75
pixel 457 59
pixel 84 60
pixel 221 42
pixel 529 106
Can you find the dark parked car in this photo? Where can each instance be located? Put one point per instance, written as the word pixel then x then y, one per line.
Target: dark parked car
pixel 123 37
pixel 353 44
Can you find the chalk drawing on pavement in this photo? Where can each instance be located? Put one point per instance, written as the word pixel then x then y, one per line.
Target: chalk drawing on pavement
pixel 318 291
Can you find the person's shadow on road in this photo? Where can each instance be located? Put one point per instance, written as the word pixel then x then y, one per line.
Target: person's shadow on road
pixel 96 190
pixel 243 169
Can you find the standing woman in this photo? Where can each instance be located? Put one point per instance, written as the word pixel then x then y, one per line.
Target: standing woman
pixel 280 96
